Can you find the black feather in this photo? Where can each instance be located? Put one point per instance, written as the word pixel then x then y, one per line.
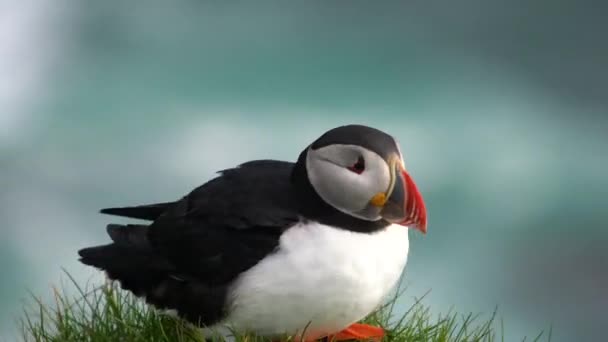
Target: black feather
pixel 188 257
pixel 129 259
pixel 144 212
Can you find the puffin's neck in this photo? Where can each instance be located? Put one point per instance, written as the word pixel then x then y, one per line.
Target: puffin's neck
pixel 314 208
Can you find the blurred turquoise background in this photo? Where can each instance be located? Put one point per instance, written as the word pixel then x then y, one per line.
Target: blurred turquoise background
pixel 500 107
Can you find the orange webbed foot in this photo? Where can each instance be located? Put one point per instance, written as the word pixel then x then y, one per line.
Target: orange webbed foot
pixel 359 331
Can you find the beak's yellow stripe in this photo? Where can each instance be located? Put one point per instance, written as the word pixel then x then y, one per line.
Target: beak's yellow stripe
pixel 378 200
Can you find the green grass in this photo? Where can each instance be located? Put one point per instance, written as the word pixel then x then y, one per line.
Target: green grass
pixel 106 313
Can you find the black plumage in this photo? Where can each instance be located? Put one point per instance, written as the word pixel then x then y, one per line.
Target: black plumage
pixel 145 212
pixel 368 137
pixel 187 258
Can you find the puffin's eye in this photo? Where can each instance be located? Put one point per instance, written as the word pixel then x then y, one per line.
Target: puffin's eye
pixel 358 167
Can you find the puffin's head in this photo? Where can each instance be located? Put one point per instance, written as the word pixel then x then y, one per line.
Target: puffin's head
pixel 359 171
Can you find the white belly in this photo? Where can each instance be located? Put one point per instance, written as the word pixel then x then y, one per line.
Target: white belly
pixel 321 279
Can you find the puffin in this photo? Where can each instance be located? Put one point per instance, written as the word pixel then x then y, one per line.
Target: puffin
pixel 274 248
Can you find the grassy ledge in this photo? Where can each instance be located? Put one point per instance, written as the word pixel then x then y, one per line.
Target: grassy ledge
pixel 106 313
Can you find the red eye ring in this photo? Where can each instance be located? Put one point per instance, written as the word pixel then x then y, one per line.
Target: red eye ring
pixel 358 167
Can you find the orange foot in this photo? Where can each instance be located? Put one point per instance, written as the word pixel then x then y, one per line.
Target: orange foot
pixel 359 331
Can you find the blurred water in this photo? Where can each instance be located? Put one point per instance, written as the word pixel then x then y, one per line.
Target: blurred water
pixel 500 109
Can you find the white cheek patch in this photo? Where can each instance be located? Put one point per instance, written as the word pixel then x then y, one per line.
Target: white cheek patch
pixel 336 185
pixel 343 189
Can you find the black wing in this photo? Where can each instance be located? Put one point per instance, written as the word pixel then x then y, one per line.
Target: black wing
pixel 187 258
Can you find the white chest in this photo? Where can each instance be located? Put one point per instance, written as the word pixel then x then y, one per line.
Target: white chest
pixel 321 278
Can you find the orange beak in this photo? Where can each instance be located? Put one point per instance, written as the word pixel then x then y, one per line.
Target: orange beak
pixel 404 204
pixel 415 207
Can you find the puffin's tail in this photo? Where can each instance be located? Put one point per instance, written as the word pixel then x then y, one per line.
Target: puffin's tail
pixel 132 261
pixel 129 259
